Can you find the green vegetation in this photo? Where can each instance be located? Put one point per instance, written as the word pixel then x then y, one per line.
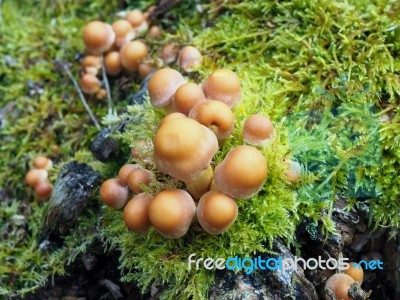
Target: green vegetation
pixel 327 73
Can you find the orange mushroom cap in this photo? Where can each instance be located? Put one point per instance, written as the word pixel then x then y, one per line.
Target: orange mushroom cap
pixel 189 58
pixel 183 148
pixel 340 284
pixel 136 213
pixel 135 18
pixel 171 212
pixel 35 176
pixel 98 37
pixel 216 212
pixel 89 84
pixel 138 177
pixel 42 162
pixel 257 130
pixel 43 190
pixel 125 171
pixel 215 115
pixel 223 85
pixel 144 70
pixel 355 271
pixel 163 85
pixel 113 194
pixel 112 63
pixel 242 173
pixel 124 32
pixel 132 54
pixel 186 96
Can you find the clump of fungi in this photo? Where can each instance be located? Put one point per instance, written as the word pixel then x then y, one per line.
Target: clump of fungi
pixel 38 177
pixel 120 47
pixel 199 120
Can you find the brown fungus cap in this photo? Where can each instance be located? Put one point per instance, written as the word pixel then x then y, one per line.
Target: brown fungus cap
pixel 43 190
pixel 113 194
pixel 139 177
pixel 42 162
pixel 223 85
pixel 340 284
pixel 189 58
pixel 36 176
pixel 98 37
pixel 89 84
pixel 257 130
pixel 215 115
pixel 124 32
pixel 355 271
pixel 132 55
pixel 171 212
pixel 91 64
pixel 168 53
pixel 186 96
pixel 172 116
pixel 144 70
pixel 154 32
pixel 183 148
pixel 136 213
pixel 242 173
pixel 216 212
pixel 125 171
pixel 135 18
pixel 162 86
pixel 112 63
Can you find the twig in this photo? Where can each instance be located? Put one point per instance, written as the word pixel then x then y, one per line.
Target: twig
pixel 81 96
pixel 105 79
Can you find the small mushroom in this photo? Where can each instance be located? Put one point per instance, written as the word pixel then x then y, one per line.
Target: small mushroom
pixel 42 162
pixel 136 213
pixel 139 177
pixel 339 284
pixel 168 53
pixel 101 94
pixel 163 85
pixel 132 55
pixel 171 212
pixel 223 85
pixel 215 115
pixel 355 271
pixel 258 130
pixel 186 96
pixel 43 190
pixel 294 170
pixel 144 70
pixel 36 176
pixel 242 173
pixel 137 20
pixel 113 193
pixel 125 171
pixel 91 64
pixel 172 116
pixel 124 32
pixel 216 212
pixel 154 32
pixel 189 58
pixel 112 63
pixel 98 37
pixel 89 84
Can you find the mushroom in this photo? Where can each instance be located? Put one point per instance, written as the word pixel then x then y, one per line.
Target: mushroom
pixel 132 54
pixel 43 190
pixel 183 149
pixel 215 115
pixel 42 162
pixel 124 32
pixel 101 94
pixel 189 58
pixel 168 53
pixel 171 212
pixel 162 87
pixel 186 96
pixel 98 37
pixel 172 116
pixel 223 85
pixel 242 173
pixel 139 177
pixel 143 151
pixel 355 271
pixel 216 212
pixel 113 194
pixel 340 284
pixel 125 171
pixel 136 213
pixel 294 170
pixel 144 70
pixel 36 176
pixel 91 64
pixel 89 84
pixel 258 130
pixel 112 63
pixel 154 32
pixel 137 20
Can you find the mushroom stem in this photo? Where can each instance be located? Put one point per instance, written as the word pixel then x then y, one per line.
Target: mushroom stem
pixel 106 84
pixel 81 96
pixel 200 185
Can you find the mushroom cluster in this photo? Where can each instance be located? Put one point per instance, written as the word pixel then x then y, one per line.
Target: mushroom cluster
pixel 199 118
pixel 37 177
pixel 119 48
